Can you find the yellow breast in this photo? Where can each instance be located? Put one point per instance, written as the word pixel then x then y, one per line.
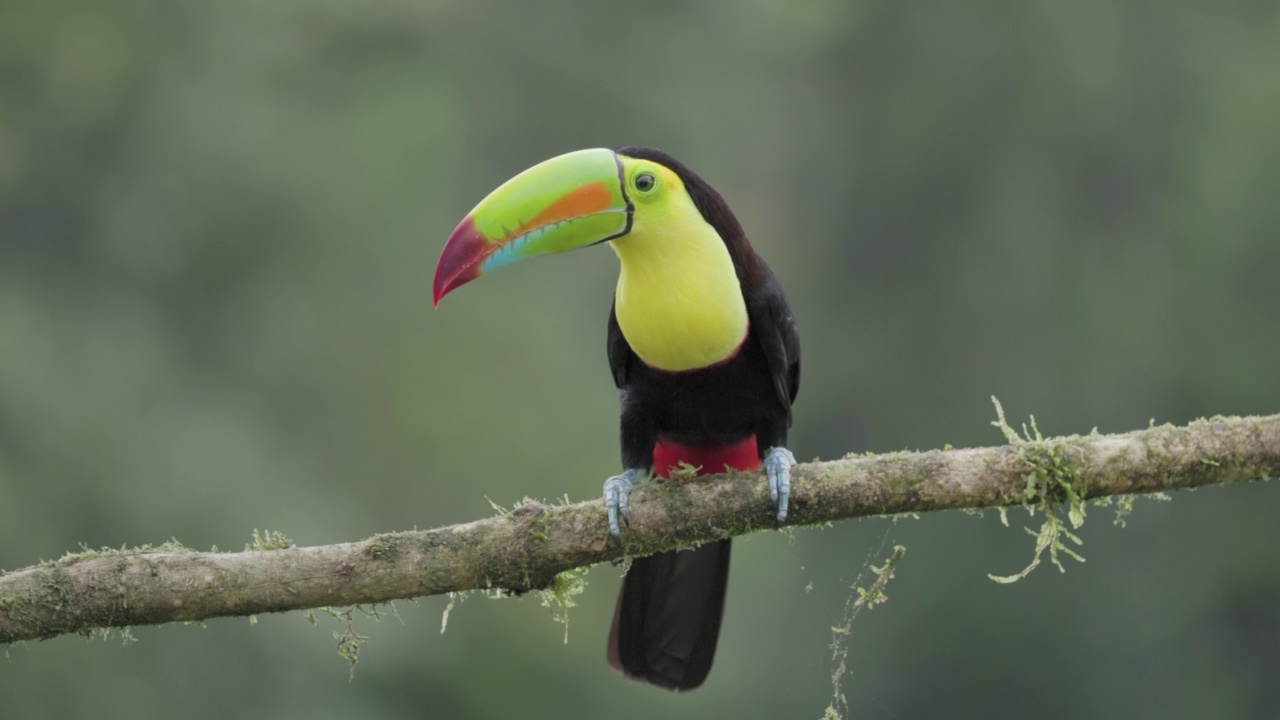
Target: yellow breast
pixel 678 300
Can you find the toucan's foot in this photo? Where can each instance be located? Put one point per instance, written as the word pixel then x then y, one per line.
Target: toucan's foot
pixel 616 491
pixel 777 463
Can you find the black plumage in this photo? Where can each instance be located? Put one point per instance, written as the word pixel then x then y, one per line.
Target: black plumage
pixel 668 614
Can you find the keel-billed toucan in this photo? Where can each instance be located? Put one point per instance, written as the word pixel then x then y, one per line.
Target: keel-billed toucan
pixel 703 349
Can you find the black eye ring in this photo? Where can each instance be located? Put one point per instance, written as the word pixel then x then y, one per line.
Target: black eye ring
pixel 645 182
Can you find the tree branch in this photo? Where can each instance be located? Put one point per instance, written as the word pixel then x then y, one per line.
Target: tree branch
pixel 526 548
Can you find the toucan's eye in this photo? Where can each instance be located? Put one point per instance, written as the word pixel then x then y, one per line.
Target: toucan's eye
pixel 645 182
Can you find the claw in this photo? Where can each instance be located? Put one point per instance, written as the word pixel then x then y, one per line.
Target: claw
pixel 617 489
pixel 777 463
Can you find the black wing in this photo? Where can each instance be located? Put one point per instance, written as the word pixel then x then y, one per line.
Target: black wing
pixel 620 353
pixel 775 327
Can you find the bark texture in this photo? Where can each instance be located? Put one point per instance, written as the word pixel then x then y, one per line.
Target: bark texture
pixel 526 548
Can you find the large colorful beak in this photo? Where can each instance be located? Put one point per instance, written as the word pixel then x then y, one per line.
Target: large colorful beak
pixel 565 203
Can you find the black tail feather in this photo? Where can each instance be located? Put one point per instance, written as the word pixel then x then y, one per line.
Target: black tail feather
pixel 667 619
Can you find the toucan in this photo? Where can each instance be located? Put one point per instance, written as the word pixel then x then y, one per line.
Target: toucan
pixel 703 349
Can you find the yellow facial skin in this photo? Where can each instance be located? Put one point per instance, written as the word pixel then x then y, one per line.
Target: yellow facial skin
pixel 678 300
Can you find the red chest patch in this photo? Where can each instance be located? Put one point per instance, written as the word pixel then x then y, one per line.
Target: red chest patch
pixel 711 460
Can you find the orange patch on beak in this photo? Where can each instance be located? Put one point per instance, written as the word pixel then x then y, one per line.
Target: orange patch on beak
pixel 586 200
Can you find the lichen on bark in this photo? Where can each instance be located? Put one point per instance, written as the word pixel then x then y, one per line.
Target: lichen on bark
pixel 527 548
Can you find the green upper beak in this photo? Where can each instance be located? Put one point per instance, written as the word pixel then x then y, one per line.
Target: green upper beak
pixel 562 204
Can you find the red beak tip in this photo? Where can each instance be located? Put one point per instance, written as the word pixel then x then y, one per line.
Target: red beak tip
pixel 460 260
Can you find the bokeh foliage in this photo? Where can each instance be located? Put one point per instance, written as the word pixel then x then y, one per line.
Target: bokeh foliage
pixel 218 223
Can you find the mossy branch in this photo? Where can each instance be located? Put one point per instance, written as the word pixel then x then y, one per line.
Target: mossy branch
pixel 528 547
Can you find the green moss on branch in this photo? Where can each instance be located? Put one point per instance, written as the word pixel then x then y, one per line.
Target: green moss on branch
pixel 527 548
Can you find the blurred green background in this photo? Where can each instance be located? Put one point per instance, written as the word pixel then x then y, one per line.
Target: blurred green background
pixel 218 226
